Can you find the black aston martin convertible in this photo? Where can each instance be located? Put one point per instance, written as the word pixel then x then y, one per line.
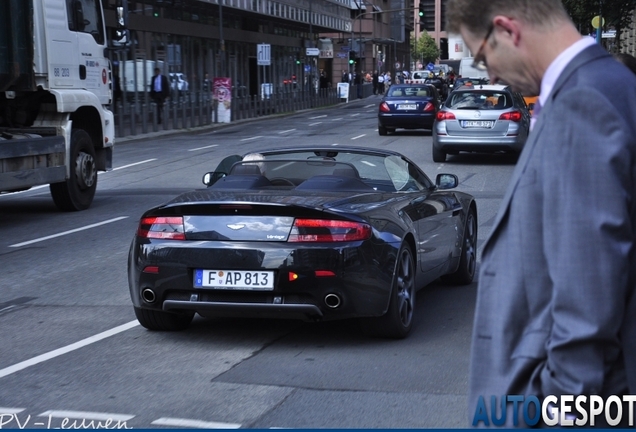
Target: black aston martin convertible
pixel 305 233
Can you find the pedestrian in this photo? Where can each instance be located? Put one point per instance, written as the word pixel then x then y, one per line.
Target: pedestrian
pixel 159 91
pixel 627 59
pixel 374 82
pixel 556 301
pixel 357 81
pixel 381 83
pixel 345 76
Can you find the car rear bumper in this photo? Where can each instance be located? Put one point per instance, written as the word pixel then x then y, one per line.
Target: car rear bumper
pixel 482 144
pixel 407 121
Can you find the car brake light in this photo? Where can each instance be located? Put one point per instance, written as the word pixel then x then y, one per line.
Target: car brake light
pixel 514 116
pixel 445 115
pixel 384 107
pixel 161 227
pixel 319 230
pixel 429 107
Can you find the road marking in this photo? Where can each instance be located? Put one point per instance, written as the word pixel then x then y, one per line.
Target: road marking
pixel 285 131
pixel 87 415
pixel 314 124
pixel 369 106
pixel 69 232
pixel 359 136
pixel 68 348
pixel 336 119
pixel 356 114
pixel 335 144
pixel 10 410
pixel 199 424
pixel 251 138
pixel 99 173
pixel 203 148
pixel 317 117
pixel 129 165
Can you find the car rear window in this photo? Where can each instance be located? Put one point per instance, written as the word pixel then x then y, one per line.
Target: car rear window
pixel 410 91
pixel 481 99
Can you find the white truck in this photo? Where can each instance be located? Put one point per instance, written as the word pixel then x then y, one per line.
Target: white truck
pixel 55 88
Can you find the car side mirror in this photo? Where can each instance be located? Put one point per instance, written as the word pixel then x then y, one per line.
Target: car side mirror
pixel 212 177
pixel 446 181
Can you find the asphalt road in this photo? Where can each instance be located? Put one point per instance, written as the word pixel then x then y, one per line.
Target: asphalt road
pixel 72 352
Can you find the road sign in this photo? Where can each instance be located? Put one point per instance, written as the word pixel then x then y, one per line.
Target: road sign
pixel 312 51
pixel 264 54
pixel 595 21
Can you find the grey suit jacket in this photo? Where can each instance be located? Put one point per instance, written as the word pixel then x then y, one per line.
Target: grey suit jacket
pixel 556 310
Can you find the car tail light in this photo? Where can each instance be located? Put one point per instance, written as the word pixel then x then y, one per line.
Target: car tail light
pixel 445 115
pixel 162 227
pixel 384 107
pixel 429 107
pixel 319 230
pixel 514 116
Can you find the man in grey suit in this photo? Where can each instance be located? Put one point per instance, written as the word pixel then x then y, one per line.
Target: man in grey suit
pixel 556 310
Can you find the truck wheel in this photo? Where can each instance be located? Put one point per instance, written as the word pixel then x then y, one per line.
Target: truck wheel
pixel 77 192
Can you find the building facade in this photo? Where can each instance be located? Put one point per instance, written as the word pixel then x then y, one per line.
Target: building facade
pixel 194 41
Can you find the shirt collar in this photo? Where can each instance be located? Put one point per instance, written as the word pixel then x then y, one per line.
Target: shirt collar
pixel 559 64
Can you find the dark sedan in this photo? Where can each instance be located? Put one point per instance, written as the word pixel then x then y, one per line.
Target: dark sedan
pixel 408 106
pixel 310 233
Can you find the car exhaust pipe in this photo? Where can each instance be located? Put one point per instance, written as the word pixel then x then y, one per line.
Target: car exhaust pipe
pixel 148 295
pixel 332 301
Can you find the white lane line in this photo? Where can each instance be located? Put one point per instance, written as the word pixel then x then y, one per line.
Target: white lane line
pixel 314 124
pixel 335 144
pixel 87 415
pixel 353 115
pixel 199 424
pixel 130 165
pixel 68 348
pixel 99 173
pixel 359 136
pixel 69 231
pixel 369 106
pixel 285 131
pixel 251 138
pixel 10 410
pixel 316 117
pixel 203 148
pixel 336 119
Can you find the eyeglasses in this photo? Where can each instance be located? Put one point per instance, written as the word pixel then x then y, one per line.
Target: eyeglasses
pixel 479 61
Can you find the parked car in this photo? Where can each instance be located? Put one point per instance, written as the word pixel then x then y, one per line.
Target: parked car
pixel 408 106
pixel 306 233
pixel 484 118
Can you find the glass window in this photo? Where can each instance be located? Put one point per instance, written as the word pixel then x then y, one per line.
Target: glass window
pixel 85 16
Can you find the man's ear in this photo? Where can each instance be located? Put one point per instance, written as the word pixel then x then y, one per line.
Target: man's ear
pixel 507 27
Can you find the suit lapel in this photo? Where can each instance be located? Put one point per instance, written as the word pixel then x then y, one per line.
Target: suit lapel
pixel 591 53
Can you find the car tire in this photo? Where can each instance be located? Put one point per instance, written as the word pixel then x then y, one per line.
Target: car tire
pixel 396 323
pixel 438 155
pixel 465 272
pixel 77 192
pixel 382 130
pixel 163 321
pixel 390 130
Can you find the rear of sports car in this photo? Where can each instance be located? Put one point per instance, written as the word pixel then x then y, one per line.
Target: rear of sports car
pixel 258 260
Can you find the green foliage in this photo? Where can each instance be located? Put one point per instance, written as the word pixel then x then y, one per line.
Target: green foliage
pixel 424 48
pixel 618 14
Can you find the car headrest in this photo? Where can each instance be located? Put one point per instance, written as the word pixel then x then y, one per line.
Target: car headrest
pixel 246 169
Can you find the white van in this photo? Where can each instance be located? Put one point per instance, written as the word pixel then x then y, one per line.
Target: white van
pixel 466 69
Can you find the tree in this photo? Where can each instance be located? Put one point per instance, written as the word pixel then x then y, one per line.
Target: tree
pixel 424 48
pixel 617 14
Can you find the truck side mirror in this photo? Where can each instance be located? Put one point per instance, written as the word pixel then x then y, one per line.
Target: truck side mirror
pixel 121 34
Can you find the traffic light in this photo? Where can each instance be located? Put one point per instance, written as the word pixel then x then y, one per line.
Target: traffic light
pixel 421 16
pixel 352 57
pixel 297 61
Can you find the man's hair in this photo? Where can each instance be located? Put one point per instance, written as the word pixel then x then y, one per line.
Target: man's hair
pixel 157 69
pixel 476 15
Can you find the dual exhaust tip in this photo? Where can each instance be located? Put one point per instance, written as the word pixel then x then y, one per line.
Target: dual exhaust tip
pixel 332 301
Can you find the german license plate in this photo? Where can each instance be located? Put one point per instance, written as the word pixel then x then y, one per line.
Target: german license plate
pixel 407 107
pixel 234 280
pixel 477 124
